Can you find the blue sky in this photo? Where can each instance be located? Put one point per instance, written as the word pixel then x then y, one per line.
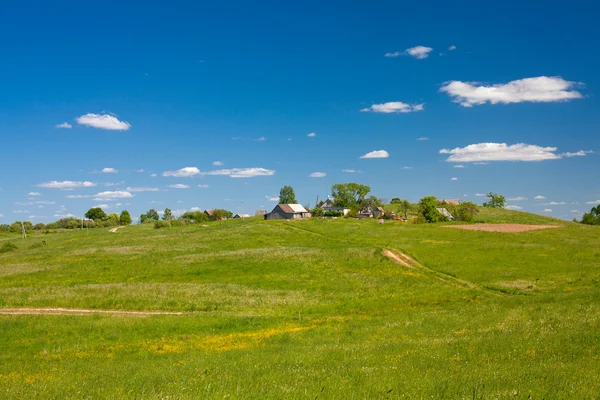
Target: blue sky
pixel 232 91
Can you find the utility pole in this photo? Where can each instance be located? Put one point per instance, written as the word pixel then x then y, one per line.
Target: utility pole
pixel 23 230
pixel 242 210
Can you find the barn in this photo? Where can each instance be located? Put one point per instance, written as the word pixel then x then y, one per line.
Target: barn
pixel 288 211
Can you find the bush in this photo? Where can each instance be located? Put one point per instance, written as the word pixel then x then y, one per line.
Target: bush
pixel 428 209
pixel 466 212
pixel 317 212
pixel 38 245
pixel 353 213
pixel 8 246
pixel 333 213
pixel 161 224
pixel 196 216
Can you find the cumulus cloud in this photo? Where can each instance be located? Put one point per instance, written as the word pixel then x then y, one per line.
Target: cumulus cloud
pixel 64 125
pixel 179 186
pixel 418 52
pixel 66 184
pixel 540 89
pixel 153 175
pixel 142 189
pixel 376 154
pixel 46 202
pixel 580 153
pixel 185 172
pixel 520 198
pixel 109 196
pixel 452 48
pixel 102 206
pixel 500 152
pixel 454 179
pixel 272 198
pixel 217 163
pixel 312 134
pixel 593 202
pixel 109 171
pixel 318 175
pixel 103 121
pixel 394 107
pixel 512 207
pixel 261 139
pixel 539 197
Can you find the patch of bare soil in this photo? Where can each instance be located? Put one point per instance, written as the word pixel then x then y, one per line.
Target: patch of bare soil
pixel 113 230
pixel 73 311
pixel 400 258
pixel 502 227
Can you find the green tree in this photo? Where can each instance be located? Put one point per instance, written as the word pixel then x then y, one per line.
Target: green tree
pixel 395 200
pixel 152 214
pixel 96 213
pixel 196 216
pixel 317 212
pixel 287 195
pixel 220 214
pixel 466 211
pixel 39 226
pixel 125 218
pixel 349 194
pixel 592 217
pixel 371 202
pixel 428 209
pixel 405 208
pixel 168 214
pixel 495 200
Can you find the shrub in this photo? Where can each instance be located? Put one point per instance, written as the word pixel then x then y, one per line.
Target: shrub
pixel 317 212
pixel 161 224
pixel 196 216
pixel 428 209
pixel 8 246
pixel 353 213
pixel 466 212
pixel 333 213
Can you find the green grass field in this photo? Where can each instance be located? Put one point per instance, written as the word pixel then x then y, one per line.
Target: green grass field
pixel 305 309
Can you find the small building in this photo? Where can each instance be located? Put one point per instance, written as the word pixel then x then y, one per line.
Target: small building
pixel 329 205
pixel 452 202
pixel 209 213
pixel 241 216
pixel 445 213
pixel 259 213
pixel 288 211
pixel 378 212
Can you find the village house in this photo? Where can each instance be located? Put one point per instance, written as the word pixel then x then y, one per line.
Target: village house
pixel 288 211
pixel 329 205
pixel 241 216
pixel 445 213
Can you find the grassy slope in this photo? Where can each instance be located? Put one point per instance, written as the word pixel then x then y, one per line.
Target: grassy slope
pixel 292 309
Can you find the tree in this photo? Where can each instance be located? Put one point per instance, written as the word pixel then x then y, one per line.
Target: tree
pixel 287 195
pixel 466 212
pixel 196 216
pixel 96 213
pixel 317 212
pixel 125 218
pixel 395 200
pixel 405 208
pixel 152 214
pixel 371 202
pixel 495 200
pixel 428 209
pixel 39 226
pixel 220 214
pixel 592 217
pixel 349 194
pixel 168 214
pixel 114 217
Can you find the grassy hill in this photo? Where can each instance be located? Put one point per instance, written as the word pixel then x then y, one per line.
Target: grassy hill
pixel 305 309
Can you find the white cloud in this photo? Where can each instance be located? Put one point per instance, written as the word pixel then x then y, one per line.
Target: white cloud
pixel 109 196
pixel 59 215
pixel 422 139
pixel 452 48
pixel 34 194
pixel 183 172
pixel 376 154
pixel 153 175
pixel 479 195
pixel 261 139
pixel 272 198
pixel 101 206
pixel 540 89
pixel 459 166
pixel 548 210
pixel 520 198
pixel 580 153
pixel 1 215
pixel 109 171
pixel 512 207
pixel 406 167
pixel 575 211
pixel 480 163
pixel 179 186
pixel 195 209
pixel 28 203
pixel 103 121
pixel 217 163
pixel 593 202
pixel 312 134
pixel 65 185
pixel 539 197
pixel 78 196
pixel 500 152
pixel 109 184
pixel 555 203
pixel 203 186
pixel 242 172
pixel 142 189
pixel 350 171
pixel 394 107
pixel 46 202
pixel 139 170
pixel 64 125
pixel 454 179
pixel 20 212
pixel 318 175
pixel 418 52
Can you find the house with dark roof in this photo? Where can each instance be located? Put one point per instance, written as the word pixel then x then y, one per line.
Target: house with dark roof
pixel 329 205
pixel 288 211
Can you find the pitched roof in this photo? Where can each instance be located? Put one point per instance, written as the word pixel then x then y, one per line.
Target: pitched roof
pixel 451 201
pixel 209 212
pixel 292 208
pixel 445 212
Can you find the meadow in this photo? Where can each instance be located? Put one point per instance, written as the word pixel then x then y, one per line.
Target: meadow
pixel 304 309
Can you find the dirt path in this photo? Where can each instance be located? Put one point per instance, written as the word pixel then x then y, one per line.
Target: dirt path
pixel 401 259
pixel 113 230
pixel 502 227
pixel 74 311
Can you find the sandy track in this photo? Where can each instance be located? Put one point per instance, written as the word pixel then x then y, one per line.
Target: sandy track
pixel 401 259
pixel 113 230
pixel 74 311
pixel 502 227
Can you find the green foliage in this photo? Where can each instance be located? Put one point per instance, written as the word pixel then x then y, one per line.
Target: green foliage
pixel 353 213
pixel 333 213
pixel 195 216
pixel 465 212
pixel 349 194
pixel 592 217
pixel 125 218
pixel 371 202
pixel 96 213
pixel 4 228
pixel 494 200
pixel 39 226
pixel 161 224
pixel 317 212
pixel 287 195
pixel 428 209
pixel 151 214
pixel 220 214
pixel 8 246
pixel 113 218
pixel 395 200
pixel 168 214
pixel 405 207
